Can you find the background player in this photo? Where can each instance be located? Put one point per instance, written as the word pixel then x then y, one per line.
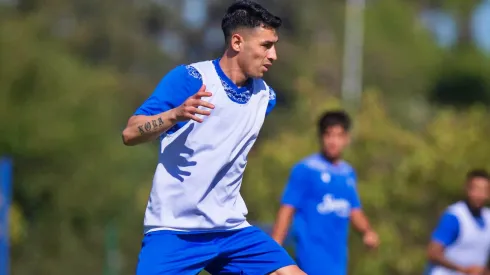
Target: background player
pixel 208 115
pixel 461 241
pixel 321 195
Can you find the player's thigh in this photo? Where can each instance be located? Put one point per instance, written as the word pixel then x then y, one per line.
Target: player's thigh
pixel 167 253
pixel 250 251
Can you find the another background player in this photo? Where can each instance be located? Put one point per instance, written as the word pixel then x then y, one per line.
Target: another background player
pixel 195 217
pixel 321 195
pixel 461 241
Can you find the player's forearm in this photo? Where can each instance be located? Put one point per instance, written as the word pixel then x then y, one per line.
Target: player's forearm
pixel 442 261
pixel 360 221
pixel 141 128
pixel 436 256
pixel 281 226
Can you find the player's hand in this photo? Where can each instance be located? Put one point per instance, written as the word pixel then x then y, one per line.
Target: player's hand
pixel 371 239
pixel 190 108
pixel 473 270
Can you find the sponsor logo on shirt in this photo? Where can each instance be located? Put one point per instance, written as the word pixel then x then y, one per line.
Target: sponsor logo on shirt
pixel 340 207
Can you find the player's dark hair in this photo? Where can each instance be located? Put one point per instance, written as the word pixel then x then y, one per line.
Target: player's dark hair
pixel 334 118
pixel 477 173
pixel 247 14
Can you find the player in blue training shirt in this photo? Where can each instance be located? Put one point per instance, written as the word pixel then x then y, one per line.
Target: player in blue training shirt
pixel 207 116
pixel 461 242
pixel 322 198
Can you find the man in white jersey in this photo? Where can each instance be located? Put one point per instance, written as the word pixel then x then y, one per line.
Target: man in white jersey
pixel 207 116
pixel 461 241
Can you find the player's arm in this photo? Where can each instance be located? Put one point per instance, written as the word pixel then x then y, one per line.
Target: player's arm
pixel 292 197
pixel 359 220
pixel 283 221
pixel 142 128
pixel 435 253
pixel 361 224
pixel 445 234
pixel 177 98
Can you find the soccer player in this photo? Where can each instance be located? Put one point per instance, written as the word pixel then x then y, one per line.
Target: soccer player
pixel 322 198
pixel 461 241
pixel 207 116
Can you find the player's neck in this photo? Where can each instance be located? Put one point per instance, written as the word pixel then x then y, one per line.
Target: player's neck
pixel 332 160
pixel 475 211
pixel 231 69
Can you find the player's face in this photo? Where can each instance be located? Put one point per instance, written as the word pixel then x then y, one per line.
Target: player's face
pixel 258 51
pixel 335 139
pixel 478 191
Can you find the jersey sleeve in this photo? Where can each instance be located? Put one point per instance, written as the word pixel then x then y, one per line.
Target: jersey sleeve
pixel 354 198
pixel 272 101
pixel 447 230
pixel 175 87
pixel 295 188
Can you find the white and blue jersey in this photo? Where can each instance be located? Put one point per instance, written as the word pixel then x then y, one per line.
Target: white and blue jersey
pixel 323 194
pixel 465 236
pixel 197 181
pixel 195 217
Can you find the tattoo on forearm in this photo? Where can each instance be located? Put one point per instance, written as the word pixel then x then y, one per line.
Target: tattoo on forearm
pixel 151 126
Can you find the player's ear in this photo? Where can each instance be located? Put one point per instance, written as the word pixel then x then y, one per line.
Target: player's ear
pixel 236 42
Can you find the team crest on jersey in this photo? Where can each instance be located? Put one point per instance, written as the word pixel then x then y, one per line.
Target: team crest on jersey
pixel 326 177
pixel 272 94
pixel 329 204
pixel 193 72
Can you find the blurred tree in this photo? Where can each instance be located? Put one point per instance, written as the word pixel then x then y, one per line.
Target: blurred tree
pixel 63 130
pixel 460 87
pixel 462 12
pixel 462 80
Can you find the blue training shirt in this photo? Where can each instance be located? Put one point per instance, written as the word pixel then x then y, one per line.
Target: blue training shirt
pixel 323 194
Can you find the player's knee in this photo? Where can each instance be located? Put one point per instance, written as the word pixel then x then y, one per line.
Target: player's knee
pixel 289 270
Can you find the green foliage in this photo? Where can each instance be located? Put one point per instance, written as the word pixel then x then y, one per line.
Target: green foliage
pixel 61 128
pixel 463 80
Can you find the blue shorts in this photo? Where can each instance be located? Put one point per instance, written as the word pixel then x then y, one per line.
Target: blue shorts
pixel 247 251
